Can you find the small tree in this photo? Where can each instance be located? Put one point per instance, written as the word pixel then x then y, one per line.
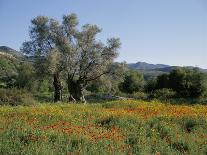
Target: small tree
pixel 133 82
pixel 25 74
pixel 185 82
pixel 162 81
pixel 188 82
pixel 151 85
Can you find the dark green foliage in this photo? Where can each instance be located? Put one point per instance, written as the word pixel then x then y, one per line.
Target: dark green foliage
pixel 8 71
pixel 25 77
pixel 162 81
pixel 150 85
pixel 44 86
pixel 188 83
pixel 185 82
pixel 133 82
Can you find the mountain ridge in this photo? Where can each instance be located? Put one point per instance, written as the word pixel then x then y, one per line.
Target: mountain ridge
pixel 10 51
pixel 147 67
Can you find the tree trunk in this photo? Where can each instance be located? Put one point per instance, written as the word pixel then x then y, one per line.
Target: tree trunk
pixel 75 89
pixel 58 88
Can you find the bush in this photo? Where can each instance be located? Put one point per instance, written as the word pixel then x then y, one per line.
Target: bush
pixel 133 82
pixel 187 83
pixel 44 86
pixel 140 96
pixel 150 85
pixel 15 97
pixel 24 78
pixel 163 94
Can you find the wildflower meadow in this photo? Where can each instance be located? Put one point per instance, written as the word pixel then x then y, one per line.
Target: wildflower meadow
pixel 116 127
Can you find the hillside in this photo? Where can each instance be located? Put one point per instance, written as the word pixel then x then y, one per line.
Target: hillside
pixel 153 70
pixel 10 51
pixel 146 66
pixel 9 61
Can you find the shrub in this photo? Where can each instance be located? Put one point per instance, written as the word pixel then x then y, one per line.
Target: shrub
pixel 44 86
pixel 108 122
pixel 15 97
pixel 133 82
pixel 180 146
pixel 162 81
pixel 188 82
pixel 184 81
pixel 24 78
pixel 189 123
pixel 150 85
pixel 163 94
pixel 140 95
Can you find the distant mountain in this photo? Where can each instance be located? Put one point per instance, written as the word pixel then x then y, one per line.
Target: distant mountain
pixel 9 51
pixel 153 70
pixel 146 66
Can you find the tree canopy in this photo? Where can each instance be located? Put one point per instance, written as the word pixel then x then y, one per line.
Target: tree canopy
pixel 61 48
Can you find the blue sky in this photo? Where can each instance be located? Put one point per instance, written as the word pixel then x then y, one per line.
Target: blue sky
pixel 156 31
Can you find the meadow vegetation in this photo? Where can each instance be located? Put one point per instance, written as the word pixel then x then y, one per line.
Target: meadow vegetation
pixel 115 127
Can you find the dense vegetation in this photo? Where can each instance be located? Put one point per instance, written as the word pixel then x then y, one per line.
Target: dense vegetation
pixel 118 127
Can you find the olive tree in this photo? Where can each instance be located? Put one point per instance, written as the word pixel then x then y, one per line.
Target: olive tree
pixel 42 48
pixel 76 53
pixel 86 59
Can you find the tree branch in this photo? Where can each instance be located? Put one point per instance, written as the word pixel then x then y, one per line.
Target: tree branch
pixel 91 79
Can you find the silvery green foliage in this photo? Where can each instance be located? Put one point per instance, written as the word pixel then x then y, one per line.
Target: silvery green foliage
pixel 70 50
pixel 63 48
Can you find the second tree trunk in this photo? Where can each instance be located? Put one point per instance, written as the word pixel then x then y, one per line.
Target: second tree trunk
pixel 58 88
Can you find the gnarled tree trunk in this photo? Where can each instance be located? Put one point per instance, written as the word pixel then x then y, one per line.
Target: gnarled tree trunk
pixel 58 87
pixel 76 89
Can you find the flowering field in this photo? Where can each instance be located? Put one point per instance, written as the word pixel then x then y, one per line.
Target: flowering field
pixel 116 127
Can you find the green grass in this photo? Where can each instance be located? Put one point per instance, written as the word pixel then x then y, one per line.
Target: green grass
pixel 115 127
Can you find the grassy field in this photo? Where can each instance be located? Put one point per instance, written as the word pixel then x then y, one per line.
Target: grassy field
pixel 116 127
